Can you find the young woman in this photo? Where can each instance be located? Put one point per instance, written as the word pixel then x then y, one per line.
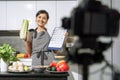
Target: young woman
pixel 37 40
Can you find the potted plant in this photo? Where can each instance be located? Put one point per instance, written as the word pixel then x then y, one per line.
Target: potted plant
pixel 6 54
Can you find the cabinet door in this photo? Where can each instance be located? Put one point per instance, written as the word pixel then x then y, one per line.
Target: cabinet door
pixel 64 9
pixel 19 10
pixel 3 15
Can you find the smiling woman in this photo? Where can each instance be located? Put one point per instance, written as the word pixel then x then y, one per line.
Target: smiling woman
pixel 37 41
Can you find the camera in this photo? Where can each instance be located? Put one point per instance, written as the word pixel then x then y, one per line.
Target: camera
pixel 93 19
pixel 92 23
pixel 89 22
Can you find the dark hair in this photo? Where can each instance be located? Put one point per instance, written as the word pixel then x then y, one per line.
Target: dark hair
pixel 42 11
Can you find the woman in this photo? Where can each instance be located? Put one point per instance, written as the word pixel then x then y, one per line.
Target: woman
pixel 37 40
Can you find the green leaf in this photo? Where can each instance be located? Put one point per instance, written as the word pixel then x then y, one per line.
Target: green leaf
pixel 6 53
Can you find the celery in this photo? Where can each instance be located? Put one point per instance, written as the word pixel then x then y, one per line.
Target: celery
pixel 24 29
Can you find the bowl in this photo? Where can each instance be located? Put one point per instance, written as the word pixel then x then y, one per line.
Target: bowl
pixel 39 69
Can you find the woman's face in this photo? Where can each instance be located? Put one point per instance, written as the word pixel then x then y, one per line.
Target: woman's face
pixel 41 19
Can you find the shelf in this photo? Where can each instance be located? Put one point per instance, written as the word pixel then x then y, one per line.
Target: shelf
pixel 9 32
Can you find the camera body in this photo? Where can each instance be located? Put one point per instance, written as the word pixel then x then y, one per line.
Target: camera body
pixel 93 19
pixel 90 21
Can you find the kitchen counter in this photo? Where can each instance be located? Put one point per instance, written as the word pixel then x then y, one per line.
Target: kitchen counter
pixel 33 76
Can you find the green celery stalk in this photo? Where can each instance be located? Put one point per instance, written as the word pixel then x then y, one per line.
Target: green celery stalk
pixel 24 29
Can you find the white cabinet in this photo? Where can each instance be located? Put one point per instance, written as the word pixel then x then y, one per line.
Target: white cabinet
pixel 19 10
pixel 64 9
pixel 3 23
pixel 13 12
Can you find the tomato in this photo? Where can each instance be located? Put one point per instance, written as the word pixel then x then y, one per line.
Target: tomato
pixel 60 62
pixel 26 55
pixel 63 66
pixel 62 70
pixel 58 69
pixel 52 64
pixel 60 66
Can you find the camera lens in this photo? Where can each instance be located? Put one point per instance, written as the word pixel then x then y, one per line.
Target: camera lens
pixel 66 23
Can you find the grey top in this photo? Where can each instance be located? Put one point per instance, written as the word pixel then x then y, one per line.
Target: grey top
pixel 40 41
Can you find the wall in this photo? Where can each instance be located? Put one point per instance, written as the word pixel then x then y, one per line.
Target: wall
pixel 116 46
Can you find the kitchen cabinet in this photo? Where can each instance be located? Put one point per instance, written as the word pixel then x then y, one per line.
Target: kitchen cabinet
pixel 64 9
pixel 17 11
pixel 33 76
pixel 3 22
pixel 13 12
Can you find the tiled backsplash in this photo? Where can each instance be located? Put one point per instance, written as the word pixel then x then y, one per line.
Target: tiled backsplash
pixel 14 41
pixel 12 37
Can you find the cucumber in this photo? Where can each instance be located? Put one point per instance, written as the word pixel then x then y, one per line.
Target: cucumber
pixel 53 68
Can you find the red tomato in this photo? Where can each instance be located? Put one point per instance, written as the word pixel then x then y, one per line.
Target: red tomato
pixel 26 55
pixel 58 69
pixel 63 66
pixel 60 62
pixel 52 64
pixel 62 70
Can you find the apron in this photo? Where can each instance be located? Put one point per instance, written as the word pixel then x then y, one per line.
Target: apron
pixel 40 42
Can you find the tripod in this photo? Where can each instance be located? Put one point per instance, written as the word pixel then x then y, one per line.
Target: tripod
pixel 89 56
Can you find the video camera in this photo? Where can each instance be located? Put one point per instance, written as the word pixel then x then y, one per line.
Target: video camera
pixel 93 19
pixel 90 21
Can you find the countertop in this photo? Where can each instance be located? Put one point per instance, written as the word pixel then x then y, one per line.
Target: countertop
pixel 33 76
